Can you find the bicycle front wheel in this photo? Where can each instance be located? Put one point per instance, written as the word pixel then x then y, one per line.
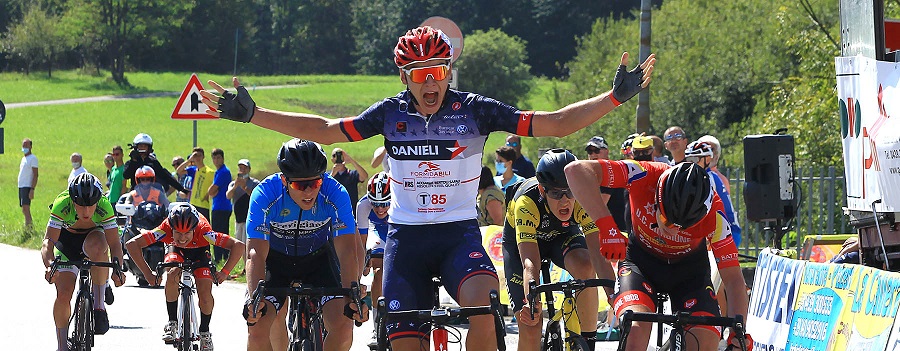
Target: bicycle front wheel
pixel 316 334
pixel 187 321
pixel 81 339
pixel 577 343
pixel 552 339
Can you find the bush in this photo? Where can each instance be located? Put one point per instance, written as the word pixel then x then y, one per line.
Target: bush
pixel 493 64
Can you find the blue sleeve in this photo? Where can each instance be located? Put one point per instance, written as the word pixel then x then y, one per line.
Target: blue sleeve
pixel 336 194
pixel 367 124
pixel 492 115
pixel 260 200
pixel 222 178
pixel 730 214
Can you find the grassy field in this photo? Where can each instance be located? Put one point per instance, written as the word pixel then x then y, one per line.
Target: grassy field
pixel 92 129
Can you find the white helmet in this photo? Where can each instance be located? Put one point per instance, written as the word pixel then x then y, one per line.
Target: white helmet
pixel 142 138
pixel 698 149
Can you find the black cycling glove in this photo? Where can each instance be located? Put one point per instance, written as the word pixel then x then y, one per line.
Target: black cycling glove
pixel 246 311
pixel 237 107
pixel 627 84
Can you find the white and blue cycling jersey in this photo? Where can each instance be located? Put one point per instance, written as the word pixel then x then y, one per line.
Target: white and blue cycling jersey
pixel 291 231
pixel 369 223
pixel 435 161
pixel 730 213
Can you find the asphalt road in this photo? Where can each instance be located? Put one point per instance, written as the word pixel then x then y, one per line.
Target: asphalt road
pixel 137 317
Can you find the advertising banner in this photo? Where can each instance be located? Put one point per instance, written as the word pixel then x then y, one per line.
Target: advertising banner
pixel 774 289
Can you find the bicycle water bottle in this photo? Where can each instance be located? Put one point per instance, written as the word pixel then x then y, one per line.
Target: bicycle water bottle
pixel 439 338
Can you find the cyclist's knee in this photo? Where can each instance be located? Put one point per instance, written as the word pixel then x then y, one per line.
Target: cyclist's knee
pixel 475 290
pixel 578 263
pixel 96 248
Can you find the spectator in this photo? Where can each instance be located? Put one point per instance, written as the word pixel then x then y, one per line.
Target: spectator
pixel 490 200
pixel 676 142
pixel 239 192
pixel 108 163
pixel 379 159
pixel 201 179
pixel 717 155
pixel 615 198
pixel 701 153
pixel 521 164
pixel 142 155
pixel 849 252
pixel 76 167
pixel 642 148
pixel 184 179
pixel 28 177
pixel 659 150
pixel 626 146
pixel 221 207
pixel 506 177
pixel 349 178
pixel 117 175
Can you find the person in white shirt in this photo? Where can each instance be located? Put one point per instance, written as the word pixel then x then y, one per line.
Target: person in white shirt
pixel 28 176
pixel 76 167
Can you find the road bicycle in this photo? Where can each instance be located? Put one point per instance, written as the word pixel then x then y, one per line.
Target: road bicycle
pixel 187 332
pixel 676 339
pixel 83 317
pixel 305 322
pixel 439 320
pixel 563 331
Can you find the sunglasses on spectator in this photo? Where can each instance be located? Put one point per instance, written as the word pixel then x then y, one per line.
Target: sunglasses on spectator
pixel 592 150
pixel 642 152
pixel 675 136
pixel 512 144
pixel 557 193
pixel 302 185
pixel 381 204
pixel 420 74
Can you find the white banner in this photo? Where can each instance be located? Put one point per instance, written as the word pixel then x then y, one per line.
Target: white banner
pixel 774 290
pixel 869 98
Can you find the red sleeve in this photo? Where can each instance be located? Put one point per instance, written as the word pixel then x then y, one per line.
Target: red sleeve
pixel 162 233
pixel 621 174
pixel 721 242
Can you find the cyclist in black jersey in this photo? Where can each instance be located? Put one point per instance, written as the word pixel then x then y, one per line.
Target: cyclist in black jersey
pixel 544 220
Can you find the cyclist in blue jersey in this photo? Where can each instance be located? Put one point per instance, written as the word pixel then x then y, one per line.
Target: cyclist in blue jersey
pixel 300 226
pixel 434 138
pixel 372 215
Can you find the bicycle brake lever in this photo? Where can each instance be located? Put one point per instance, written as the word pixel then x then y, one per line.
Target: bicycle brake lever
pixel 354 290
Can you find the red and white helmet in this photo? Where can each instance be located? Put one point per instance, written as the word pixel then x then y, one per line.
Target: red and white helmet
pixel 422 44
pixel 379 189
pixel 145 172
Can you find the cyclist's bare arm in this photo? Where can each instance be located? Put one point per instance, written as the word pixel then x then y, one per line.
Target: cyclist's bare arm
pixel 736 290
pixel 134 246
pixel 300 125
pixel 236 246
pixel 579 115
pixel 531 263
pixel 584 178
pixel 50 239
pixel 115 248
pixel 348 251
pixel 258 250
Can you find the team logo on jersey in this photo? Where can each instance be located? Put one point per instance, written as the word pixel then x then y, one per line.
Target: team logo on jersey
pixel 648 288
pixel 394 305
pixel 462 129
pixel 624 271
pixel 431 170
pixel 401 127
pixel 690 303
pixel 565 224
pixel 409 184
pixel 456 106
pixel 456 149
pixel 475 254
pixel 285 212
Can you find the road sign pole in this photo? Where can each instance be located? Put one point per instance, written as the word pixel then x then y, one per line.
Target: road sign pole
pixel 195 133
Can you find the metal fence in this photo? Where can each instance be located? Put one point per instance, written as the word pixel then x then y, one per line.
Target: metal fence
pixel 820 211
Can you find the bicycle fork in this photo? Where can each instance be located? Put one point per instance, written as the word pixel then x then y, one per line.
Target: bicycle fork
pixel 187 315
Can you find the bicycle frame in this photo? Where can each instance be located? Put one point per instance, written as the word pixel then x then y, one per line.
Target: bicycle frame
pixel 678 321
pixel 83 315
pixel 188 329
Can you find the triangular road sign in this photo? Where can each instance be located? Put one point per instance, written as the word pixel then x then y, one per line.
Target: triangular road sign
pixel 189 105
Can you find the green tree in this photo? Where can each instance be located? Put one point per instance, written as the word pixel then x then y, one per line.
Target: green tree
pixel 494 65
pixel 38 39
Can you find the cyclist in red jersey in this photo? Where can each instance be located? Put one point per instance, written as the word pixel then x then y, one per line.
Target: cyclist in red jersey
pixel 676 217
pixel 188 235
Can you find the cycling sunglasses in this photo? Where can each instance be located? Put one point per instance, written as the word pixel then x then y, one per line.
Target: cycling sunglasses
pixel 302 185
pixel 675 136
pixel 381 204
pixel 420 74
pixel 512 143
pixel 149 179
pixel 557 193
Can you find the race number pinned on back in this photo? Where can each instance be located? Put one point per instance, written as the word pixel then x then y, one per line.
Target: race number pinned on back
pixel 189 105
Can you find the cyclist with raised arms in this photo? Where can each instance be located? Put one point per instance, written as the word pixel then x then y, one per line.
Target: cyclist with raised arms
pixel 676 214
pixel 372 218
pixel 434 138
pixel 188 236
pixel 543 220
pixel 82 225
pixel 300 226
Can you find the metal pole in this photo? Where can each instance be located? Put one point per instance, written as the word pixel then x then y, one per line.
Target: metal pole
pixel 887 265
pixel 642 120
pixel 195 133
pixel 234 72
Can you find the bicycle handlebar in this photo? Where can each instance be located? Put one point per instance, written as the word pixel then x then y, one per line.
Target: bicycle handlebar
pixel 685 318
pixel 85 264
pixel 443 315
pixel 298 289
pixel 190 266
pixel 572 285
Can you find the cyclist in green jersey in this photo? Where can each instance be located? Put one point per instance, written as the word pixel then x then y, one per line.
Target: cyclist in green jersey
pixel 82 224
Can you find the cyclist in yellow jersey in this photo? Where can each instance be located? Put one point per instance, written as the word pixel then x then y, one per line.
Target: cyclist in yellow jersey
pixel 543 220
pixel 82 225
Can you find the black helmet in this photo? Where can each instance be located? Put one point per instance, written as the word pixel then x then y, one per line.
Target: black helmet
pixel 684 194
pixel 300 158
pixel 183 217
pixel 85 190
pixel 148 215
pixel 550 168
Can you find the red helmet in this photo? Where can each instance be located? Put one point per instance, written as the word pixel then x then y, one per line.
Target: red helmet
pixel 422 44
pixel 145 172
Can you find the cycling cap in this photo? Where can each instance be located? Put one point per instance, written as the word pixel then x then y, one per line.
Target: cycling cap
pixel 183 217
pixel 379 189
pixel 85 190
pixel 148 215
pixel 684 194
pixel 142 138
pixel 698 149
pixel 641 142
pixel 550 168
pixel 422 44
pixel 145 172
pixel 300 158
pixel 597 142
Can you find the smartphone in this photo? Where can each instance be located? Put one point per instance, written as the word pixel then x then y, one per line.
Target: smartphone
pixel 339 157
pixel 244 176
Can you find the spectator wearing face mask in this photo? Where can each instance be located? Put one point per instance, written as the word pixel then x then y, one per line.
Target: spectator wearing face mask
pixel 642 148
pixel 77 168
pixel 505 157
